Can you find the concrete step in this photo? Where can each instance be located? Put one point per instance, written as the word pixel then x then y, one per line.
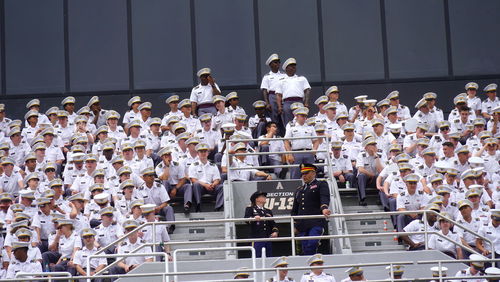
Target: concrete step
pixel 199 255
pixel 198 233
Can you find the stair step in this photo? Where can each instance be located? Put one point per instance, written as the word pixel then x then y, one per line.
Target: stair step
pixel 199 216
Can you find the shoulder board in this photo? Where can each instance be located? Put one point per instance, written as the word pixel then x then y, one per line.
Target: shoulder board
pixel 212 164
pixel 97 227
pixel 402 193
pixel 453 204
pixel 124 243
pixel 478 219
pixel 456 121
pixel 421 192
pixel 199 130
pixel 463 271
pixel 196 163
pixel 328 274
pixel 175 163
pixel 306 273
pixel 196 87
pixel 485 209
pixel 345 156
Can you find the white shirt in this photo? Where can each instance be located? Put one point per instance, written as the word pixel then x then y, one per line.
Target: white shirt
pixel 411 202
pixel 487 106
pixel 28 266
pixel 437 242
pixel 298 130
pixel 492 233
pixel 206 173
pixel 81 256
pixel 271 80
pixel 203 94
pixel 67 244
pixel 293 86
pixel 416 226
pixel 274 146
pixel 323 277
pixel 127 247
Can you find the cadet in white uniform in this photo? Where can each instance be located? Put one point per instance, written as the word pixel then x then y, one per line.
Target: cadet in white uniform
pixel 370 163
pixel 202 94
pixel 491 232
pixel 205 178
pixel 293 88
pixel 281 264
pixel 173 176
pixel 417 241
pixel 300 129
pixel 270 83
pixel 473 101
pixel 88 249
pixel 488 105
pixel 128 245
pixel 474 272
pixel 62 245
pixel 21 262
pixel 355 273
pixel 436 242
pixel 316 274
pixel 410 200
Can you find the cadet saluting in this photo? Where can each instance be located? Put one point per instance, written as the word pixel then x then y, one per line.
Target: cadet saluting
pixel 312 198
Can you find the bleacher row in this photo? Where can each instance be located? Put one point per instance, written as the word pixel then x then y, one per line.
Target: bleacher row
pixel 75 180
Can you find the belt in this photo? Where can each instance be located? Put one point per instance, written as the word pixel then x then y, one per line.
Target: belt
pixel 271 92
pixel 293 99
pixel 301 149
pixel 206 105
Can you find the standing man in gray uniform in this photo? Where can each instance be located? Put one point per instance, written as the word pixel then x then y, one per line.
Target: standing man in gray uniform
pixel 269 85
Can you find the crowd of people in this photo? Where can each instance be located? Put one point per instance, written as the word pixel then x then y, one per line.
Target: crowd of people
pixel 75 180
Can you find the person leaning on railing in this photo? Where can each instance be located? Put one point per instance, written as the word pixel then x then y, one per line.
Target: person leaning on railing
pixel 491 232
pixel 312 198
pixel 417 241
pixel 258 228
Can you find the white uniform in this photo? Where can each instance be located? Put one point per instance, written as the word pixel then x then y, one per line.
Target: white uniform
pixel 203 94
pixel 411 202
pixel 292 86
pixel 107 234
pixel 298 130
pixel 191 123
pixel 67 244
pixel 19 152
pixel 466 273
pixel 29 266
pixel 271 80
pixel 211 137
pixel 436 242
pixel 81 256
pixel 492 233
pixel 130 115
pixel 474 103
pixel 487 106
pixel 127 247
pixel 153 195
pixel 474 225
pixel 415 226
pixel 323 277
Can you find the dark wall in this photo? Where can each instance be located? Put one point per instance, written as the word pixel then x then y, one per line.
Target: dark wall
pixel 119 48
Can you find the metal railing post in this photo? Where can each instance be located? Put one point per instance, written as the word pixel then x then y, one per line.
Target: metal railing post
pixel 426 226
pixel 154 239
pixel 292 234
pixel 263 257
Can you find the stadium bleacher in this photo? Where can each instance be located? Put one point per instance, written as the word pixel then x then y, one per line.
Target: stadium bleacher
pixel 91 181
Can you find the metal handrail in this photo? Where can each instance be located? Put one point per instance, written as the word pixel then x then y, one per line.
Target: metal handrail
pixel 122 256
pixel 254 262
pixel 291 218
pixel 56 273
pixel 272 270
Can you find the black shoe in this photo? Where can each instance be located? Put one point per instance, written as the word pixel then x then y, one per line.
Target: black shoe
pixel 187 208
pixel 198 208
pixel 363 203
pixel 171 229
